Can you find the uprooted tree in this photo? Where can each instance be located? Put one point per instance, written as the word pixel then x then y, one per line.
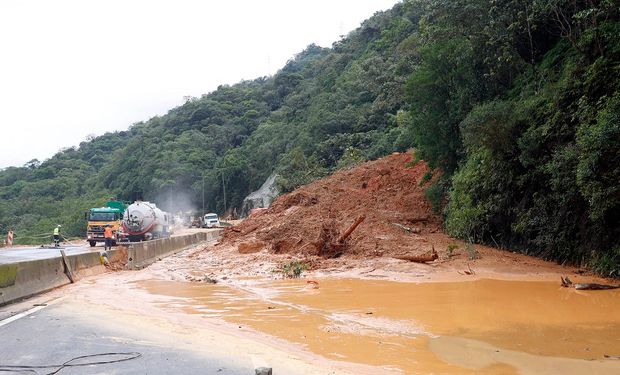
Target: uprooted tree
pixel 330 243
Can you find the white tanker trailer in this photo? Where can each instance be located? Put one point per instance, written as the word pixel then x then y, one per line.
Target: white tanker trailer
pixel 143 221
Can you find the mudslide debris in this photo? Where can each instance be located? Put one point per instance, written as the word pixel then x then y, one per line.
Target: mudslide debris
pixel 351 213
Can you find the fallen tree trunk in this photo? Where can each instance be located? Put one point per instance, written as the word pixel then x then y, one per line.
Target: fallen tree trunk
pixel 593 286
pixel 348 232
pixel 329 244
pixel 566 282
pixel 419 258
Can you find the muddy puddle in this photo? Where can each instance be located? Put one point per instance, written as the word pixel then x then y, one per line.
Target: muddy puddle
pixel 476 327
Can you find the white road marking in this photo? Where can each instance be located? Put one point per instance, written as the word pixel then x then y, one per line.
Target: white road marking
pixel 28 312
pixel 21 315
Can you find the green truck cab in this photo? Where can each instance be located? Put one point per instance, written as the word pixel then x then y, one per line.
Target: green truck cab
pixel 99 217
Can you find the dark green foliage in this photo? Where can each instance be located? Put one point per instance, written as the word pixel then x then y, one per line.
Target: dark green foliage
pixel 440 95
pixel 598 166
pixel 535 159
pixel 435 191
pixel 607 264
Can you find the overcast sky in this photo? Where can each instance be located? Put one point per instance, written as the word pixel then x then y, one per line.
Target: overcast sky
pixel 72 68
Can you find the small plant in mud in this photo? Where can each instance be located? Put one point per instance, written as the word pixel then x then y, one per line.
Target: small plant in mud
pixel 293 269
pixel 416 159
pixel 450 249
pixel 472 252
pixel 426 178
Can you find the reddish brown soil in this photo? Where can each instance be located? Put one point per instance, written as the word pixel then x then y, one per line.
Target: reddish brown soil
pixel 388 192
pixel 399 226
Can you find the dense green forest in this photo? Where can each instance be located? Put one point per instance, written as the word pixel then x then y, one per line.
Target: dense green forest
pixel 514 103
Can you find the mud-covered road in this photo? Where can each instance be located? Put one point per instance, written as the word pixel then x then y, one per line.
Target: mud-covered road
pixel 356 317
pixel 58 332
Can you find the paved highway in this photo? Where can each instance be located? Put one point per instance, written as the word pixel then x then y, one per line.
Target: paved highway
pixel 50 334
pixel 18 254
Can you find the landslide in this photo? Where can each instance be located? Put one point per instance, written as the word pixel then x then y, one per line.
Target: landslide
pixel 388 193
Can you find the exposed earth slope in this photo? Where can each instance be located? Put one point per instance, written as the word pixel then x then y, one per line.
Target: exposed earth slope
pixel 399 223
pixel 388 192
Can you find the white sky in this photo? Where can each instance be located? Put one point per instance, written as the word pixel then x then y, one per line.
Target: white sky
pixel 70 68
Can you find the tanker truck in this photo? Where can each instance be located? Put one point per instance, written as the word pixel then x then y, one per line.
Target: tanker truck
pixel 143 221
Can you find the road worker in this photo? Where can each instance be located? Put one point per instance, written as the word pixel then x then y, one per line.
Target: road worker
pixel 109 237
pixel 9 237
pixel 57 236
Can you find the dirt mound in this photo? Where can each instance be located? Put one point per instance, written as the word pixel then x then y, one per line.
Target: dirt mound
pixel 387 195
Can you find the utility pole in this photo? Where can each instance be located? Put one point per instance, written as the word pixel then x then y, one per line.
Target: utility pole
pixel 203 195
pixel 170 199
pixel 224 188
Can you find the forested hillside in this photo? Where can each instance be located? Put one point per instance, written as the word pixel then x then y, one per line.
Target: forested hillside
pixel 515 103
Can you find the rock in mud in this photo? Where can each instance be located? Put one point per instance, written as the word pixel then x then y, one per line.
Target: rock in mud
pixel 263 371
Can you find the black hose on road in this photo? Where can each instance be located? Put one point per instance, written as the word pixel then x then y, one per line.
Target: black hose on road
pixel 123 357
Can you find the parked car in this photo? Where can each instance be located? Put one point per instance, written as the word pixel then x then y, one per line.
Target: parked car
pixel 211 220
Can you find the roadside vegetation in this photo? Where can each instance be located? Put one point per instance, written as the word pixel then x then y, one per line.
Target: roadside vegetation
pixel 293 269
pixel 517 103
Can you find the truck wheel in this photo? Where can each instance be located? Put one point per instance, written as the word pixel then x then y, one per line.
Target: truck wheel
pixel 92 243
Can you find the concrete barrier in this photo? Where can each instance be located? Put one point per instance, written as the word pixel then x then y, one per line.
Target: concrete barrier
pixel 86 264
pixel 24 279
pixel 141 254
pixel 118 255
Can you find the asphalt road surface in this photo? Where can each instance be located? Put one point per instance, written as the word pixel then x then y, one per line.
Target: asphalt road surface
pixel 48 335
pixel 18 254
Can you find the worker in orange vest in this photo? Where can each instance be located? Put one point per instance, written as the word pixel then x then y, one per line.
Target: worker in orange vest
pixel 109 237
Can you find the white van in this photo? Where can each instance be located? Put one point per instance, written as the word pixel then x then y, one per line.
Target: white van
pixel 210 221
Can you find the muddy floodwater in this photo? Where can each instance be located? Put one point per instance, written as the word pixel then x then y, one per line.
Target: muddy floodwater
pixel 475 327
